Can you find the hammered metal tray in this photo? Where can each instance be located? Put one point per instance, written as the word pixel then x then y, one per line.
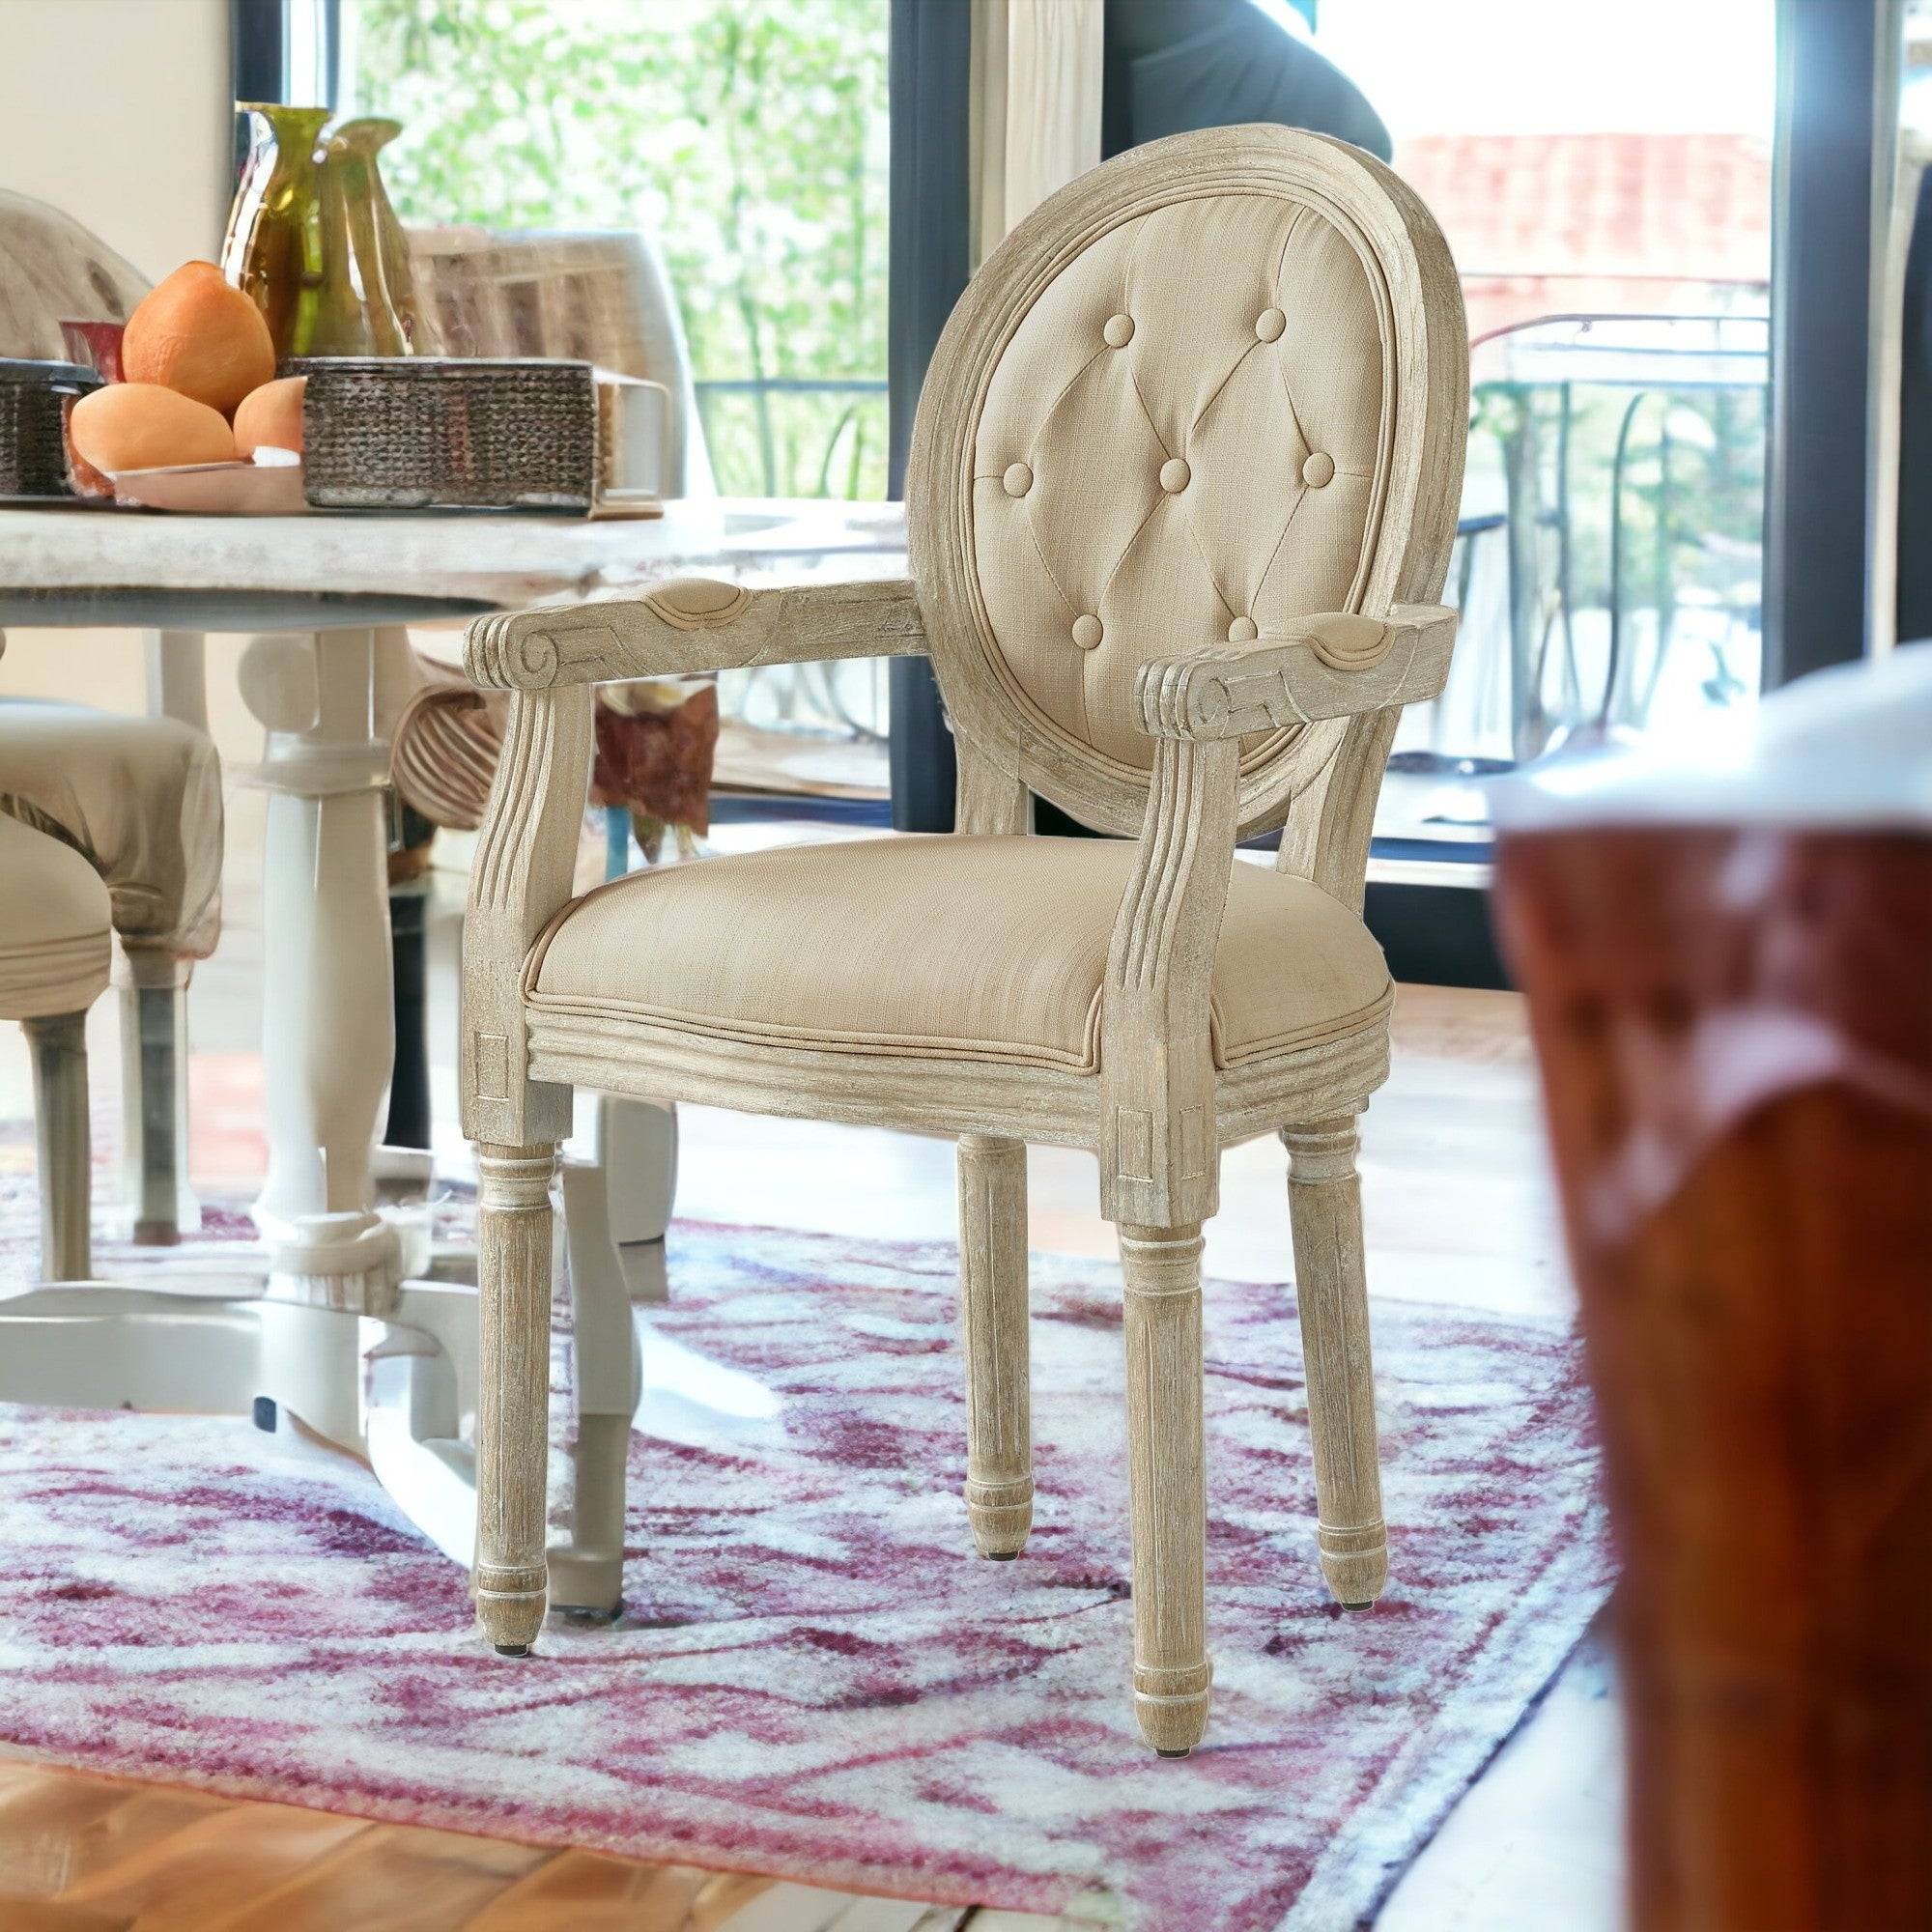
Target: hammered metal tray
pixel 432 432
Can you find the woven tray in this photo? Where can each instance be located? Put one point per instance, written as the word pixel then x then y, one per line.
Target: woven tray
pixel 35 398
pixel 428 432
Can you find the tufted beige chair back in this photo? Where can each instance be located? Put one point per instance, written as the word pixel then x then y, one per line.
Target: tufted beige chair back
pixel 1211 388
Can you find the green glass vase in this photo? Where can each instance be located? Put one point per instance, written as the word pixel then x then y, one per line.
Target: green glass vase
pixel 273 250
pixel 313 238
pixel 368 295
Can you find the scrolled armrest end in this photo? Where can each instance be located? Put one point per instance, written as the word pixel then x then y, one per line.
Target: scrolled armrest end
pixel 1329 666
pixel 510 650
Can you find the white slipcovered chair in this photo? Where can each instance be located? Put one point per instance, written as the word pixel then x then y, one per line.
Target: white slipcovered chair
pixel 56 942
pixel 1184 487
pixel 139 799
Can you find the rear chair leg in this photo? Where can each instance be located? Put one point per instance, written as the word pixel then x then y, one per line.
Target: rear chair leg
pixel 587 1571
pixel 513 1266
pixel 59 1045
pixel 1160 1271
pixel 1325 1201
pixel 993 1302
pixel 153 1101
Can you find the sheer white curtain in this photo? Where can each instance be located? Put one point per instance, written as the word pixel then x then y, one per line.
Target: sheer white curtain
pixel 1036 106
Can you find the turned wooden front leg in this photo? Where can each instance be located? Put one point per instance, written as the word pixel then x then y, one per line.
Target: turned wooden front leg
pixel 1325 1202
pixel 993 1309
pixel 1161 1273
pixel 513 1267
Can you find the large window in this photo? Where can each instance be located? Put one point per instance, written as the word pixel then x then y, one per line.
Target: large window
pixel 746 138
pixel 1605 187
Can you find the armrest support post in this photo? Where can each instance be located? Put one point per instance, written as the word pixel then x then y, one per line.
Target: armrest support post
pixel 1159 1154
pixel 522 875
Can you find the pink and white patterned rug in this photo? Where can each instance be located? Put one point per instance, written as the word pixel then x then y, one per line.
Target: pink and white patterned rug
pixel 814 1678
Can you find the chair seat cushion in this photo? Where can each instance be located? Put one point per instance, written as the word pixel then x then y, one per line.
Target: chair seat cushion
pixel 56 940
pixel 140 797
pixel 943 946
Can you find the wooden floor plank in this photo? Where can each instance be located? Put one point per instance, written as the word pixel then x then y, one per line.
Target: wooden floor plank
pixel 586 1891
pixel 40 1915
pixel 214 1867
pixel 392 1878
pixel 788 1908
pixel 725 1895
pixel 56 1832
pixel 42 1813
pixel 880 1914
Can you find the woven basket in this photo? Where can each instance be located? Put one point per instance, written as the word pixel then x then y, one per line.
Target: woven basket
pixel 425 432
pixel 35 398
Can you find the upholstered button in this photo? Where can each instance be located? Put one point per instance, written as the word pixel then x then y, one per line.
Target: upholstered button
pixel 1118 331
pixel 1243 631
pixel 1174 475
pixel 1018 479
pixel 1319 469
pixel 1087 631
pixel 1270 323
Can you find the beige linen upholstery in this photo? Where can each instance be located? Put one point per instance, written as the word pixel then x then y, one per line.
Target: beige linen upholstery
pixel 989 948
pixel 138 797
pixel 1172 455
pixel 55 941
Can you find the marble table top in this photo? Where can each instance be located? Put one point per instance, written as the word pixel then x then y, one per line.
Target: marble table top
pixel 61 566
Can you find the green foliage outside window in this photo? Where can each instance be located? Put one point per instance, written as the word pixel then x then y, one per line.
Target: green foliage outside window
pixel 746 137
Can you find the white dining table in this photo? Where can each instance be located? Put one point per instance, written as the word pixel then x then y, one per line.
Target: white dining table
pixel 331 594
pixel 329 597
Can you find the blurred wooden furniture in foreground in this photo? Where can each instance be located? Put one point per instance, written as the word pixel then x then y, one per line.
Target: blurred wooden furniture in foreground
pixel 1727 983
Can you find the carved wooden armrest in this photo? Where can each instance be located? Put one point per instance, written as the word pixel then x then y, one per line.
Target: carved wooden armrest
pixel 692 624
pixel 1325 666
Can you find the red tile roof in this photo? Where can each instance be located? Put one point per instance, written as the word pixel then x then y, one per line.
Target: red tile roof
pixel 1641 221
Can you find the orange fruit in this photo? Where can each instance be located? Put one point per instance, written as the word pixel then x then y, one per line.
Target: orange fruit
pixel 143 426
pixel 195 334
pixel 270 416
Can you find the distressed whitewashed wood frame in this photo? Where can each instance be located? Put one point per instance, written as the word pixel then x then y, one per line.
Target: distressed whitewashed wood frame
pixel 691 624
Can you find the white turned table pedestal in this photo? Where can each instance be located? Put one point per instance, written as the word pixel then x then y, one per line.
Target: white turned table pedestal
pixel 327 1020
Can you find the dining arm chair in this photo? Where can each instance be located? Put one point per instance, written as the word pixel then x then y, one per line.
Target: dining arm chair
pixel 140 800
pixel 1183 485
